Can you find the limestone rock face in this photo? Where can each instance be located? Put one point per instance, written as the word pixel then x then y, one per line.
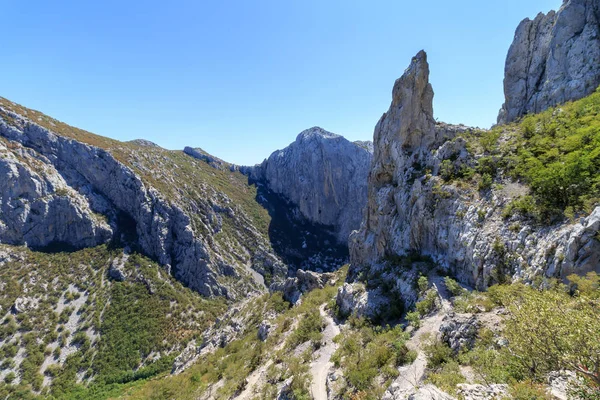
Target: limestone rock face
pixel 324 176
pixel 303 282
pixel 553 59
pixel 55 189
pixel 459 331
pixel 207 158
pixel 411 209
pixel 39 209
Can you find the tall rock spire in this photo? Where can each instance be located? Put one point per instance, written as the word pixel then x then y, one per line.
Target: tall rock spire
pixel 408 125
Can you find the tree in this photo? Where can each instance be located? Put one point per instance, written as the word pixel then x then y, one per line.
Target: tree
pixel 551 330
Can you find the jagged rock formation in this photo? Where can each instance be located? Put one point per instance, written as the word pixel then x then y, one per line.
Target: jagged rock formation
pixel 553 59
pixel 303 282
pixel 324 176
pixel 211 160
pixel 56 189
pixel 39 209
pixel 143 142
pixel 412 210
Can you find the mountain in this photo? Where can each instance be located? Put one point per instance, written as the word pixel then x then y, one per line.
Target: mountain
pixel 324 175
pixel 171 207
pixel 450 194
pixel 134 272
pixel 553 59
pixel 115 256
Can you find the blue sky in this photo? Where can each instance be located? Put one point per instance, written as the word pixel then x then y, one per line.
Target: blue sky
pixel 241 79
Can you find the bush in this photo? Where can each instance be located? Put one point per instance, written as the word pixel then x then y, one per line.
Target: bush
pixel 414 319
pixel 366 352
pixel 428 304
pixel 437 352
pixel 446 170
pixel 528 390
pixel 533 313
pixel 423 284
pixel 453 286
pixel 10 377
pixel 446 377
pixel 486 182
pixel 310 328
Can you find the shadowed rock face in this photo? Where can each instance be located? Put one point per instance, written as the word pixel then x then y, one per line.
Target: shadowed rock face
pixel 324 176
pixel 553 59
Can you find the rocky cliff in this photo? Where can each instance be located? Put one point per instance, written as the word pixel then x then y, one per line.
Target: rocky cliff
pixel 324 176
pixel 553 59
pixel 418 204
pixel 63 186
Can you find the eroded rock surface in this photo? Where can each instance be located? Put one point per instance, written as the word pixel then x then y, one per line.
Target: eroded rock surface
pixel 554 58
pixel 303 282
pixel 57 190
pixel 412 210
pixel 324 176
pixel 38 208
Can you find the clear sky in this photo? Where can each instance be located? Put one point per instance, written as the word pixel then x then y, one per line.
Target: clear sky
pixel 242 78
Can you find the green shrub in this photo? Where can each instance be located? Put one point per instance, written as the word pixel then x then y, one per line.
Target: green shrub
pixel 446 377
pixel 414 319
pixel 310 327
pixel 528 390
pixel 428 304
pixel 446 170
pixel 437 352
pixel 453 286
pixel 423 284
pixel 366 352
pixel 10 377
pixel 486 182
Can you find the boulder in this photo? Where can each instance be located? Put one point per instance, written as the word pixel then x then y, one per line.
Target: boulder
pixel 304 281
pixel 263 330
pixel 482 392
pixel 460 331
pixel 24 304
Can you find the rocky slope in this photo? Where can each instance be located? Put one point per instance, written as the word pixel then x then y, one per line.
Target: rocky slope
pixel 324 176
pixel 70 188
pixel 553 59
pixel 96 314
pixel 417 206
pixel 39 208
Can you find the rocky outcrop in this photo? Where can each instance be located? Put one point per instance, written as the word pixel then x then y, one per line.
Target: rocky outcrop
pixel 80 187
pixel 37 207
pixel 202 155
pixel 324 176
pixel 482 392
pixel 264 329
pixel 144 143
pixel 553 59
pixel 411 209
pixel 303 282
pixel 459 331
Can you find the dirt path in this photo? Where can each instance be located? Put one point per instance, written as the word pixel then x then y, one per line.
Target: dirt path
pixel 257 378
pixel 411 375
pixel 258 278
pixel 254 382
pixel 322 364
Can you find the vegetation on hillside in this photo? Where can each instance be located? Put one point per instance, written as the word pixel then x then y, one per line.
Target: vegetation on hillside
pixel 556 153
pixel 89 332
pixel 548 328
